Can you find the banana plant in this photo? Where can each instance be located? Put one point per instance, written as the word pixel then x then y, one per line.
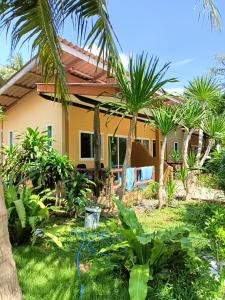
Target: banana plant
pixel 143 255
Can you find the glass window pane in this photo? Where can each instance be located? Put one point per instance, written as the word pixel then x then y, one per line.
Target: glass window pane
pixel 113 152
pixel 49 135
pixel 10 139
pixel 146 144
pixel 154 148
pixel 176 146
pixel 122 150
pixel 86 145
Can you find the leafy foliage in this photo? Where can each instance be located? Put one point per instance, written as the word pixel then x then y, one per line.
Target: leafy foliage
pixel 26 211
pixel 170 190
pixel 77 189
pixel 166 118
pixel 31 159
pixel 42 21
pixel 145 256
pixel 14 65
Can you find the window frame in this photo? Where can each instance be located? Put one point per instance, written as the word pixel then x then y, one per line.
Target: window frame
pixel 118 154
pixel 102 146
pixel 10 141
pixel 144 139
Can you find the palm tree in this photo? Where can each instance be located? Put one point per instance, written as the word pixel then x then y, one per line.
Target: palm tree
pixel 166 120
pixel 214 127
pixel 41 22
pixel 138 89
pixel 191 116
pixel 206 91
pixel 14 65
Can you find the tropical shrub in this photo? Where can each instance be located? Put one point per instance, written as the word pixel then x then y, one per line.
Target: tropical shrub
pixel 31 158
pixel 176 156
pixel 26 211
pixel 151 191
pixel 146 258
pixel 170 190
pixel 77 190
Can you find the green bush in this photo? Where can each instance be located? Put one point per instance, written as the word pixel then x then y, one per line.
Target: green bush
pixel 32 159
pixel 208 180
pixel 151 261
pixel 151 191
pixel 26 211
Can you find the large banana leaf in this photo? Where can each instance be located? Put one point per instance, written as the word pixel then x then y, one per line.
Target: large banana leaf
pixel 21 212
pixel 139 278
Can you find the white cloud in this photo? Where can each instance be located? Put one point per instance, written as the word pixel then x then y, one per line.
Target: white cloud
pixel 182 62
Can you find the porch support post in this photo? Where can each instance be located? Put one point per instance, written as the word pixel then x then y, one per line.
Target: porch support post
pixel 65 130
pixel 158 150
pixel 97 149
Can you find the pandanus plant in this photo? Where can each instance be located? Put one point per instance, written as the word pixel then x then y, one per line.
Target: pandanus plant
pixel 166 119
pixel 139 87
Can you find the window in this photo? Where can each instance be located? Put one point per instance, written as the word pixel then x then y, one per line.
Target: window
pixel 87 145
pixel 176 146
pixel 153 148
pixel 10 139
pixel 49 135
pixel 117 151
pixel 144 142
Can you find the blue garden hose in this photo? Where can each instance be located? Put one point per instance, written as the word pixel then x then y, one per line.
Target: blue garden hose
pixel 86 244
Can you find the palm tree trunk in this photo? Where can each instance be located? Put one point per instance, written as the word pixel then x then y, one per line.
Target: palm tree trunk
pixel 97 150
pixel 185 148
pixel 9 286
pixel 208 149
pixel 200 145
pixel 128 151
pixel 162 192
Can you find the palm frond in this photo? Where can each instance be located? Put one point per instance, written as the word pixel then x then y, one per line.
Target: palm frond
pixel 41 22
pixel 140 85
pixel 204 89
pixel 212 11
pixel 214 126
pixel 166 118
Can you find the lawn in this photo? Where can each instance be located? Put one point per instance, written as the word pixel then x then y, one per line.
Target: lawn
pixel 47 272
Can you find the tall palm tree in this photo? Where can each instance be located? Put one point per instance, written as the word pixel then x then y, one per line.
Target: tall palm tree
pixel 166 119
pixel 138 89
pixel 41 22
pixel 206 91
pixel 14 65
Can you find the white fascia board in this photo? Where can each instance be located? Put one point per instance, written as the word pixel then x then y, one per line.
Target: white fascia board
pixel 29 66
pixel 82 56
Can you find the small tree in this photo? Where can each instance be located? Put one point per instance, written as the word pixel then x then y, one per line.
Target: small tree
pixel 206 91
pixel 138 89
pixel 166 120
pixel 214 127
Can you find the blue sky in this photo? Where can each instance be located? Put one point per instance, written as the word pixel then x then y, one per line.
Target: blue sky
pixel 169 29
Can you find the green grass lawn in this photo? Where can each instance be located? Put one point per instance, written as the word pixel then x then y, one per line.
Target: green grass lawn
pixel 49 273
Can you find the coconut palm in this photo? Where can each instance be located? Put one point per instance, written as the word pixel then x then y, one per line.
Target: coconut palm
pixel 138 90
pixel 166 119
pixel 206 91
pixel 42 21
pixel 14 65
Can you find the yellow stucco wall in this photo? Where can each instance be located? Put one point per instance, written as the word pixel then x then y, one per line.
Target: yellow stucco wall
pixel 82 120
pixel 34 111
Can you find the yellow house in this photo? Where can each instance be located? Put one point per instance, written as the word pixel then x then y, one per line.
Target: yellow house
pixel 29 103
